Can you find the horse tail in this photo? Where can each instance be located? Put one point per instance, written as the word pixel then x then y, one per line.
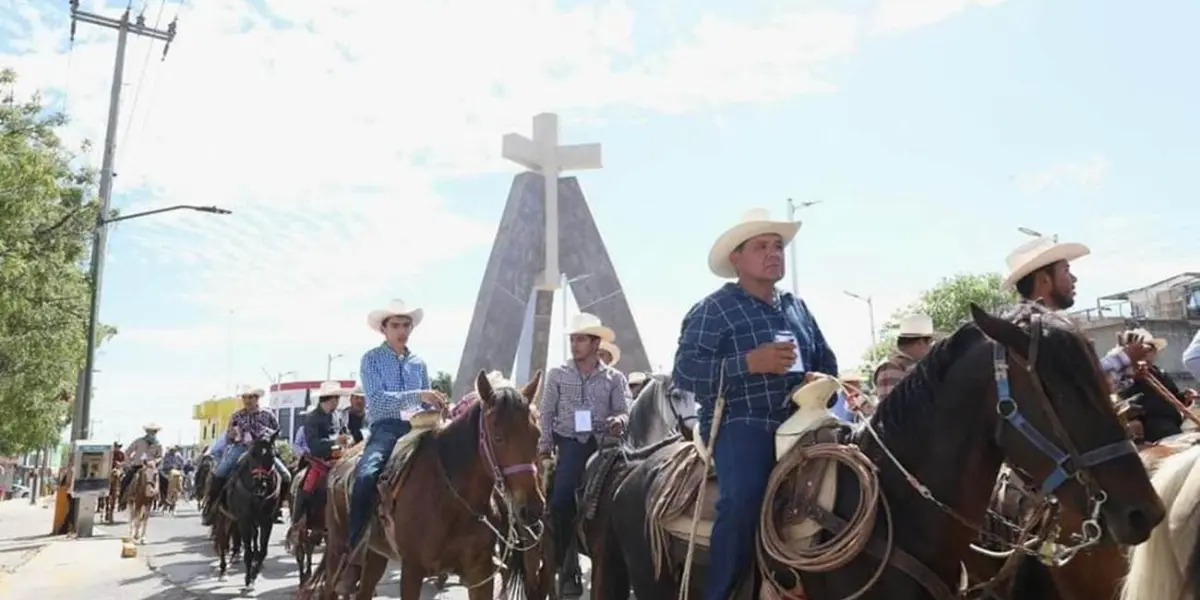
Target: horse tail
pixel 1163 565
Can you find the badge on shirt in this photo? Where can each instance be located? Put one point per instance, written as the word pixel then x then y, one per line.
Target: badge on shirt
pixel 583 421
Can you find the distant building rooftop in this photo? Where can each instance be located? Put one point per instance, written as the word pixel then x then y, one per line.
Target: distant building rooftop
pixel 1175 298
pixel 1182 279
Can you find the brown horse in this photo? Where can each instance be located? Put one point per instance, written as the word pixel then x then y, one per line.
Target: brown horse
pixel 467 487
pixel 309 533
pixel 1028 391
pixel 109 502
pixel 142 492
pixel 174 490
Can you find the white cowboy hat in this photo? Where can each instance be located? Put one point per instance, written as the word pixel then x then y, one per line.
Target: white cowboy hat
pixel 1143 335
pixel 332 388
pixel 253 392
pixel 916 326
pixel 151 427
pixel 395 308
pixel 1037 253
pixel 357 391
pixel 588 324
pixel 754 223
pixel 637 378
pixel 612 349
pixel 850 377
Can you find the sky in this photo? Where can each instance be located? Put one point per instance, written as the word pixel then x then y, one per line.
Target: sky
pixel 358 145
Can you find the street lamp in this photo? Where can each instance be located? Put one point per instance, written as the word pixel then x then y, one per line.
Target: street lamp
pixel 793 207
pixel 329 358
pixel 80 428
pixel 870 312
pixel 566 283
pixel 1037 234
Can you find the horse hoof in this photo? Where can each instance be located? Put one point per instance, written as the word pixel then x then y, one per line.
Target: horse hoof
pixel 223 578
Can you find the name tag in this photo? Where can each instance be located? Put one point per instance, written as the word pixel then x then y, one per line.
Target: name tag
pixel 583 421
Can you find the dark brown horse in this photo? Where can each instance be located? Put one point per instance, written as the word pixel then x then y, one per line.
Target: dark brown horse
pixel 467 488
pixel 1028 391
pixel 109 502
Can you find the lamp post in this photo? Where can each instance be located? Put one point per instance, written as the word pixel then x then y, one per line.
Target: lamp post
pixel 329 358
pixel 870 312
pixel 566 283
pixel 80 427
pixel 793 208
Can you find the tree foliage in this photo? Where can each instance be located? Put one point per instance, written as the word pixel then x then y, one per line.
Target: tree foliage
pixel 47 213
pixel 443 383
pixel 947 304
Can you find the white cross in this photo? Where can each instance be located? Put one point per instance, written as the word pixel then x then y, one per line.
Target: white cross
pixel 543 155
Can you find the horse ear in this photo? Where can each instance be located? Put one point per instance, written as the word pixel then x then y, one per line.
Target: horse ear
pixel 531 388
pixel 1003 332
pixel 483 387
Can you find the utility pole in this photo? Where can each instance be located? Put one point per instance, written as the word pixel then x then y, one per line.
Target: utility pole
pixel 80 429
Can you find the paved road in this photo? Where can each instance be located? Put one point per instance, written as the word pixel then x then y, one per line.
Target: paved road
pixel 179 549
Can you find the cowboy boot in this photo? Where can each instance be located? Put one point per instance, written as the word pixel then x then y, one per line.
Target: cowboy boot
pixel 216 486
pixel 569 583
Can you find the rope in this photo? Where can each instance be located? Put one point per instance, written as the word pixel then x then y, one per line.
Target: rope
pixel 845 545
pixel 718 411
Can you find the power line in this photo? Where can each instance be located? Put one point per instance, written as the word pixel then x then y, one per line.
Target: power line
pixel 137 90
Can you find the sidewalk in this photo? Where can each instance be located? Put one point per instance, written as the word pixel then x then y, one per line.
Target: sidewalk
pixel 70 569
pixel 23 531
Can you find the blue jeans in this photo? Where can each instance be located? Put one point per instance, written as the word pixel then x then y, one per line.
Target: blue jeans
pixel 384 435
pixel 744 456
pixel 568 471
pixel 230 459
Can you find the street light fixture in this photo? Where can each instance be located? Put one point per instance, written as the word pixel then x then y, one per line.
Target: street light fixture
pixel 329 358
pixel 870 312
pixel 1033 233
pixel 80 428
pixel 793 208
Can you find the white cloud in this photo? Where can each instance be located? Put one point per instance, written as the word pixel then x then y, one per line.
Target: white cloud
pixel 1086 173
pixel 896 16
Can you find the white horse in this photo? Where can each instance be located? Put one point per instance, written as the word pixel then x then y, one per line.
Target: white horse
pixel 1167 566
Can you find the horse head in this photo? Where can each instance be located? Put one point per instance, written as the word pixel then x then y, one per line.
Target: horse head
pixel 1055 422
pixel 508 438
pixel 660 411
pixel 259 465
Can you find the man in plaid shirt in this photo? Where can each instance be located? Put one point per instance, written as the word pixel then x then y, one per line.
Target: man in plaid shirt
pixel 916 337
pixel 730 336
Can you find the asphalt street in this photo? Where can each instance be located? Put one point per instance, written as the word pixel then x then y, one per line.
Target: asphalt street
pixel 178 548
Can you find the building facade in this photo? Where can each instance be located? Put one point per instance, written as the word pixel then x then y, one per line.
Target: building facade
pixel 1169 309
pixel 289 401
pixel 212 417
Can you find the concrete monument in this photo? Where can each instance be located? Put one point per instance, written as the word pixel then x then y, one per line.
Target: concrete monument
pixel 546 226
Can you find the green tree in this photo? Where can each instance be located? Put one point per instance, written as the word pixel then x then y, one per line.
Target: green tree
pixel 443 383
pixel 46 216
pixel 947 304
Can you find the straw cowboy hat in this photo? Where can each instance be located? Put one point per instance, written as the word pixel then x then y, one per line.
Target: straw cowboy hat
pixel 916 326
pixel 588 324
pixel 612 349
pixel 754 223
pixel 395 308
pixel 1141 335
pixel 151 427
pixel 332 389
pixel 1037 253
pixel 637 378
pixel 254 392
pixel 357 391
pixel 850 377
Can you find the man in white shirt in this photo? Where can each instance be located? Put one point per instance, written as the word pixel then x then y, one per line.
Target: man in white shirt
pixel 1191 357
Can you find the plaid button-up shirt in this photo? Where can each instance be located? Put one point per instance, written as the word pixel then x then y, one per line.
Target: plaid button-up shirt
pixel 245 425
pixel 721 330
pixel 393 383
pixel 891 372
pixel 605 392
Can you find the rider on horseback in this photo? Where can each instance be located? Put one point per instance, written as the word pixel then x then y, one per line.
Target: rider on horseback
pixel 173 460
pixel 734 336
pixel 582 400
pixel 355 414
pixel 396 385
pixel 247 425
pixel 323 446
pixel 142 449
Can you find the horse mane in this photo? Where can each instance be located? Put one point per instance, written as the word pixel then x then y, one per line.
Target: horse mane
pixel 643 402
pixel 458 442
pixel 914 397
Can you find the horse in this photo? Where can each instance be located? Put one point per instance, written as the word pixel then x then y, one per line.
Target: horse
pixel 465 488
pixel 1027 389
pixel 200 485
pixel 1167 566
pixel 310 536
pixel 252 497
pixel 114 492
pixel 142 492
pixel 174 489
pixel 661 412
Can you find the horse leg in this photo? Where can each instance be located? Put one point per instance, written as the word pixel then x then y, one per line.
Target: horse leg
pixel 374 566
pixel 610 579
pixel 480 576
pixel 412 579
pixel 248 550
pixel 264 540
pixel 221 541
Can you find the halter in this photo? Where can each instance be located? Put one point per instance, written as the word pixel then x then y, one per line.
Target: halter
pixel 1069 463
pixel 680 420
pixel 489 454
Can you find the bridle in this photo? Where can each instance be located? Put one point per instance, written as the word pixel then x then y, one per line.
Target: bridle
pixel 661 397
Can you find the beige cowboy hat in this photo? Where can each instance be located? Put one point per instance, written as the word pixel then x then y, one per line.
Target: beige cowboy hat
pixel 588 324
pixel 754 223
pixel 253 392
pixel 916 325
pixel 612 349
pixel 395 308
pixel 1142 335
pixel 332 389
pixel 1037 253
pixel 357 391
pixel 850 377
pixel 151 427
pixel 637 378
